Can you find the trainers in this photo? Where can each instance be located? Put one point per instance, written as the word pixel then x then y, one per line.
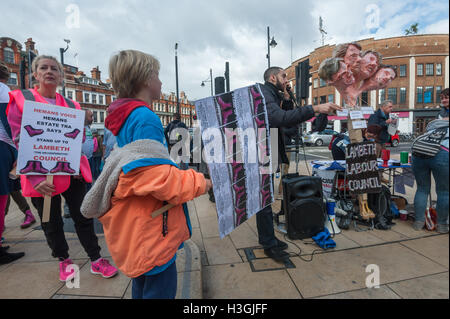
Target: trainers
pixel 442 228
pixel 64 275
pixel 29 220
pixel 418 225
pixel 104 268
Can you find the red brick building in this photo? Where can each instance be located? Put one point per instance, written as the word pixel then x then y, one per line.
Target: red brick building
pixel 422 63
pixel 88 90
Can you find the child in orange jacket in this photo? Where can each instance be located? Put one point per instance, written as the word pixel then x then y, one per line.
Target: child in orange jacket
pixel 138 178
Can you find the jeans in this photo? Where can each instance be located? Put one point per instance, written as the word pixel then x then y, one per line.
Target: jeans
pixel 422 168
pixel 264 224
pixel 54 229
pixel 159 286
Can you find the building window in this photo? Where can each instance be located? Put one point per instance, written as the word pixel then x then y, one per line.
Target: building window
pixel 102 117
pixel 419 69
pixel 419 94
pixel 403 70
pixel 331 98
pixel 402 95
pixel 101 100
pixel 392 95
pixel 94 98
pixel 322 83
pixel 315 100
pixel 8 55
pixel 323 99
pixel 429 69
pixel 381 96
pixel 316 83
pixel 94 117
pixel 365 98
pixel 86 98
pixel 70 95
pixel 12 79
pixel 428 94
pixel 438 93
pixel 438 69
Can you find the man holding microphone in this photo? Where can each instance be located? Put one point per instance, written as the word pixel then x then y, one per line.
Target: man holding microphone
pixel 273 90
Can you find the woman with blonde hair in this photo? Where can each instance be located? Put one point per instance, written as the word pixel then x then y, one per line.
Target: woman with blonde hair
pixel 49 74
pixel 138 179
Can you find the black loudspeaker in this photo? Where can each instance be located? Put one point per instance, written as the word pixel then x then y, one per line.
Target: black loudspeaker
pixel 219 84
pixel 303 206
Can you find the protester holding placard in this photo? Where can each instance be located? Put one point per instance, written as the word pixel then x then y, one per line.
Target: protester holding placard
pixel 138 179
pixel 49 73
pixel 9 155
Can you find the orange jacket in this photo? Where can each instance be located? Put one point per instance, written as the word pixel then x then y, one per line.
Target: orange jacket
pixel 135 239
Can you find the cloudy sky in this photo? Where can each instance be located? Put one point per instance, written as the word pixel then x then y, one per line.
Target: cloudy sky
pixel 210 32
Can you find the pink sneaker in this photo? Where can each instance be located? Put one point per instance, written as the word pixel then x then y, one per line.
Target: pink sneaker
pixel 104 268
pixel 64 275
pixel 29 220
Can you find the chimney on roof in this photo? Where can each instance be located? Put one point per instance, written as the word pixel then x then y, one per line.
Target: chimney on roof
pixel 29 45
pixel 95 72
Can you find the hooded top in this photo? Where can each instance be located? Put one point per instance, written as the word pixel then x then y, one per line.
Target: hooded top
pixel 143 182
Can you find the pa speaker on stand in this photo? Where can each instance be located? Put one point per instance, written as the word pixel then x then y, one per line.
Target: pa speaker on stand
pixel 303 206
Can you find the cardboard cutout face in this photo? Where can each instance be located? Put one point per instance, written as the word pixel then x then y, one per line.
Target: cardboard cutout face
pixel 343 77
pixel 384 77
pixel 369 65
pixel 353 58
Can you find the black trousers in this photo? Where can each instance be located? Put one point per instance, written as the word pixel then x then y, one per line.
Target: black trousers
pixel 54 229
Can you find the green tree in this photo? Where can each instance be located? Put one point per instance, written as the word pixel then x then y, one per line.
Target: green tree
pixel 413 29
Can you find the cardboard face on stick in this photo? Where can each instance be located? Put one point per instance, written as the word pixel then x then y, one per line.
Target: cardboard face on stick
pixel 380 80
pixel 369 65
pixel 353 58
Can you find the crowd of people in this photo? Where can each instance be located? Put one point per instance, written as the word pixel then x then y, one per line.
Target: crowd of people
pixel 140 176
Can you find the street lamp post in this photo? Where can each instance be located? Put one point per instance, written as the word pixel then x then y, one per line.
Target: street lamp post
pixel 270 43
pixel 176 77
pixel 62 51
pixel 209 80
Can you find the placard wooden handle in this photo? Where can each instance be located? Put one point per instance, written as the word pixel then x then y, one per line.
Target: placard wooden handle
pixel 162 210
pixel 47 202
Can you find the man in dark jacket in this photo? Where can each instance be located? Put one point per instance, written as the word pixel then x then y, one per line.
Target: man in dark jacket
pixel 381 118
pixel 275 83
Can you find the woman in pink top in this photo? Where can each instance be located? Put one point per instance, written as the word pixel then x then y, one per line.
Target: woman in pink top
pixel 49 73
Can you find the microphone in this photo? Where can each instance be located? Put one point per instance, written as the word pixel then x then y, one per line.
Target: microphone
pixel 288 89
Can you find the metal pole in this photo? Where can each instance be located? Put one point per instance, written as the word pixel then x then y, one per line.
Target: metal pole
pixel 227 76
pixel 61 50
pixel 176 76
pixel 210 74
pixel 268 47
pixel 30 72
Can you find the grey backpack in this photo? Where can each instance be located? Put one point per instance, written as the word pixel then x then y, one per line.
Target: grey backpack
pixel 429 144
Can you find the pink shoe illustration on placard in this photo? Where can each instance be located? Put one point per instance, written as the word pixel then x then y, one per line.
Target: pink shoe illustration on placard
pixel 33 132
pixel 34 167
pixel 38 168
pixel 28 168
pixel 67 169
pixel 73 134
pixel 63 167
